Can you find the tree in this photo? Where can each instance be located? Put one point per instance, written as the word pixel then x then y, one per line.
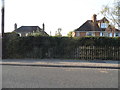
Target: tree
pixel 112 13
pixel 69 34
pixel 58 32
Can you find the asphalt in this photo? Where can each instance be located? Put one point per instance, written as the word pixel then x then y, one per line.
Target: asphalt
pixel 107 64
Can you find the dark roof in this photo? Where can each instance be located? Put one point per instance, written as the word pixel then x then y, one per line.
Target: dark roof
pixel 30 29
pixel 88 26
pixel 104 19
pixel 27 29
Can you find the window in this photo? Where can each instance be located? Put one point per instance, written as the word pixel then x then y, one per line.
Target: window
pixel 116 34
pixel 106 34
pixel 90 34
pixel 77 34
pixel 104 25
pixel 110 34
pixel 101 34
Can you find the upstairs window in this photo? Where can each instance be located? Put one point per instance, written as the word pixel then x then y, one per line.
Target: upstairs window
pixel 104 25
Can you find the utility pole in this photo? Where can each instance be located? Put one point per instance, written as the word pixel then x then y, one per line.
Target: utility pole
pixel 2 27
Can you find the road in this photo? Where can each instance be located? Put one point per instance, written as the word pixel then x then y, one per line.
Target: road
pixel 58 77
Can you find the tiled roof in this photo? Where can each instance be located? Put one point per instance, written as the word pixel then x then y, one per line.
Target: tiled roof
pixel 88 26
pixel 30 29
pixel 27 29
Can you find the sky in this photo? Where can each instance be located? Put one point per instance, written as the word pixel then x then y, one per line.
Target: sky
pixel 65 14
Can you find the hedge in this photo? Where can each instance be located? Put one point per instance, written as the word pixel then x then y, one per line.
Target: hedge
pixel 51 47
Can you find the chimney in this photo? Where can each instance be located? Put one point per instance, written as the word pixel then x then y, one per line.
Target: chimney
pixel 43 26
pixel 94 19
pixel 15 26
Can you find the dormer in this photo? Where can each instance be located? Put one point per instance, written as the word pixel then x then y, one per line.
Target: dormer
pixel 103 23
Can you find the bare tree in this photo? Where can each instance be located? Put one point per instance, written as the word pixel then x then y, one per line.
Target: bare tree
pixel 112 13
pixel 58 32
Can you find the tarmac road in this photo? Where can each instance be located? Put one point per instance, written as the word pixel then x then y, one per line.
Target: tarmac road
pixel 58 77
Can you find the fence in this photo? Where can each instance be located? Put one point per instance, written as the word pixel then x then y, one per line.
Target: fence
pixel 80 52
pixel 97 52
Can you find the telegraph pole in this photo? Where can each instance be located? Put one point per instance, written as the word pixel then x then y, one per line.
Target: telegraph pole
pixel 3 10
pixel 2 28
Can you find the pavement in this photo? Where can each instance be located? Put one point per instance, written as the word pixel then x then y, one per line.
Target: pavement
pixel 108 64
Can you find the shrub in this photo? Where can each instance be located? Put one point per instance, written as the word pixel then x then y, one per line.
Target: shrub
pixel 42 47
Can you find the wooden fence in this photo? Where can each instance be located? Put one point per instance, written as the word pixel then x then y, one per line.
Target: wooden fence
pixel 80 52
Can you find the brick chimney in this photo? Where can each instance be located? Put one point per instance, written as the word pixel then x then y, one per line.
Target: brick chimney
pixel 15 26
pixel 94 19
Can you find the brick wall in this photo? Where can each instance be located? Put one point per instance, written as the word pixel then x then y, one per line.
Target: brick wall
pixel 97 33
pixel 82 34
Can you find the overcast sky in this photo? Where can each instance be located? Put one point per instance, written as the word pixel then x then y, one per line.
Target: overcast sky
pixel 65 14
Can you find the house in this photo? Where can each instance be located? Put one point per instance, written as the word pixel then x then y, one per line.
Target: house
pixel 96 27
pixel 30 30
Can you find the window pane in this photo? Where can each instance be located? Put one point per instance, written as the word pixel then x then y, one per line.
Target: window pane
pixel 90 34
pixel 104 25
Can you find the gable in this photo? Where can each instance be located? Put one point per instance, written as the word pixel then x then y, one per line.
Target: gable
pixel 103 20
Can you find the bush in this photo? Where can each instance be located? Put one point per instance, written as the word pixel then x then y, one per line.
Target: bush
pixel 50 47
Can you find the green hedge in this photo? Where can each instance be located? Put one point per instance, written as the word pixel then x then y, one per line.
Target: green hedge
pixel 50 47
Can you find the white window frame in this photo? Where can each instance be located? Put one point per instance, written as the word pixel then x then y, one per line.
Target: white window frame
pixel 110 34
pixel 104 25
pixel 101 34
pixel 90 33
pixel 106 34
